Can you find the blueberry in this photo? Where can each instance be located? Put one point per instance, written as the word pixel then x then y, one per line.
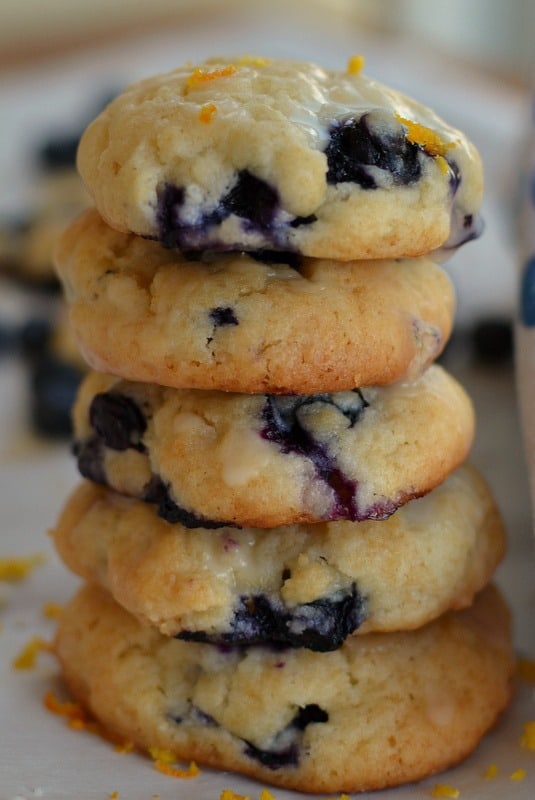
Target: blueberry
pixel 170 199
pixel 90 460
pixel 289 754
pixel 298 222
pixel 53 385
pixel 8 339
pixel 293 260
pixel 118 421
pixel 252 199
pixel 356 145
pixel 58 153
pixel 223 316
pixel 34 337
pixel 321 625
pixel 158 492
pixel 493 340
pixel 274 759
pixel 285 423
pixel 308 714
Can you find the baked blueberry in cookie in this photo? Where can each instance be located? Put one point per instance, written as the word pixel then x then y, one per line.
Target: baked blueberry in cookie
pixel 263 323
pixel 361 150
pixel 321 625
pixel 286 744
pixel 304 721
pixel 209 458
pixel 248 154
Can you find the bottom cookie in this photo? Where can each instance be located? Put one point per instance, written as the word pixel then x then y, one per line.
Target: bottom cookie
pixel 382 710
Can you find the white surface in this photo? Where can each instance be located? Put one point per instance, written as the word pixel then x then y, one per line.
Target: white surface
pixel 39 756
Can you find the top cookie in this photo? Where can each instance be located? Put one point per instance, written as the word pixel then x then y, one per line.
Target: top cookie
pixel 255 154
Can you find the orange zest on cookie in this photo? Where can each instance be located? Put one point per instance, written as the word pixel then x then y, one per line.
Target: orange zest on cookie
pixel 177 772
pixel 428 139
pixel 200 76
pixel 207 112
pixel 355 65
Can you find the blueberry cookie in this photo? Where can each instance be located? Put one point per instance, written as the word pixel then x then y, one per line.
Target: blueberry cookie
pixel 302 585
pixel 27 244
pixel 255 154
pixel 240 323
pixel 383 709
pixel 213 458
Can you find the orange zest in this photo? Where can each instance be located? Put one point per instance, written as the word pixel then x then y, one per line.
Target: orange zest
pixel 177 772
pixel 443 790
pixel 491 772
pixel 355 65
pixel 52 610
pixel 17 568
pixel 28 655
pixel 199 76
pixel 517 775
pixel 527 740
pixel 207 112
pixel 426 138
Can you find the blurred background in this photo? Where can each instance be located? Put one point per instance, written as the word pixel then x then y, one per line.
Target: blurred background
pixel 496 35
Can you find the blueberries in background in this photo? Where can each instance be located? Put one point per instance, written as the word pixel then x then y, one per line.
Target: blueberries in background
pixel 492 340
pixel 53 385
pixel 52 381
pixel 58 151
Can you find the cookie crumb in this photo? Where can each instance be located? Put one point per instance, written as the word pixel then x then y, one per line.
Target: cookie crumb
pixel 443 790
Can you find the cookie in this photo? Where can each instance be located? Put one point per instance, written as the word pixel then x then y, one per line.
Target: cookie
pixel 213 458
pixel 382 710
pixel 244 324
pixel 302 585
pixel 255 154
pixel 27 244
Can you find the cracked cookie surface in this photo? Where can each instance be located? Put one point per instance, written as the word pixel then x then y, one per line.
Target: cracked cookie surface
pixel 301 585
pixel 255 154
pixel 246 323
pixel 291 717
pixel 208 459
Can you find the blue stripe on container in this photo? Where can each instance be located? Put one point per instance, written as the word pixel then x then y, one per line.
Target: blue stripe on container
pixel 527 296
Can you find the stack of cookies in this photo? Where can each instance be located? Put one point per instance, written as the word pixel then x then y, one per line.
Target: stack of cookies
pixel 278 528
